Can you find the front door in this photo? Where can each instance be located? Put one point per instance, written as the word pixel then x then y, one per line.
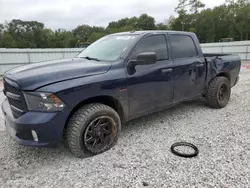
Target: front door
pixel 151 87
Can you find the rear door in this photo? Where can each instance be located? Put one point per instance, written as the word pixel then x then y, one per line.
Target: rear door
pixel 151 87
pixel 189 67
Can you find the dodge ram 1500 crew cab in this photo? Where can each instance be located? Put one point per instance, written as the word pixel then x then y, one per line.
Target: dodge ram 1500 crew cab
pixel 120 77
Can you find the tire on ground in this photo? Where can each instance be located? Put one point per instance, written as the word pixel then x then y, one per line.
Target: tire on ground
pixel 212 96
pixel 80 120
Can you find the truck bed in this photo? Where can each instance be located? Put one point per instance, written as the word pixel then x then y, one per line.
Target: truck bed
pixel 214 54
pixel 228 64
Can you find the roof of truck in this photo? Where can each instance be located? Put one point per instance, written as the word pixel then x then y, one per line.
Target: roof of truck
pixel 153 31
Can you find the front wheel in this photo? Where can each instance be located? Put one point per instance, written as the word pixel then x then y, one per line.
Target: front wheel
pixel 92 129
pixel 218 93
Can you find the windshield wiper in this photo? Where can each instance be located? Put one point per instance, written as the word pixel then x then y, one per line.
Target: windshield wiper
pixel 91 58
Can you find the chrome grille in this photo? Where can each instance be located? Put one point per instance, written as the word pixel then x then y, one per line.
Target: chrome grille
pixel 16 99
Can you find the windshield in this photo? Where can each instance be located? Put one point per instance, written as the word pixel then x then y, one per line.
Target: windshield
pixel 108 48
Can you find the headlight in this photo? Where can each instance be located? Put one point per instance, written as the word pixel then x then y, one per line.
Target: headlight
pixel 40 101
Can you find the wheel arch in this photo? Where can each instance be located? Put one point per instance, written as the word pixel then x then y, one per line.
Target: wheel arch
pixel 224 74
pixel 103 99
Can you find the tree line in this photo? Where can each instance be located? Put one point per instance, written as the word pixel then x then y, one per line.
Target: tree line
pixel 229 20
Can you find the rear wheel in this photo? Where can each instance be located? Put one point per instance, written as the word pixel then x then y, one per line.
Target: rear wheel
pixel 92 130
pixel 218 93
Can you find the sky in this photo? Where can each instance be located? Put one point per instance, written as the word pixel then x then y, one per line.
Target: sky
pixel 69 14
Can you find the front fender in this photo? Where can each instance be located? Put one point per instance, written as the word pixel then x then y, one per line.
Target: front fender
pixel 75 91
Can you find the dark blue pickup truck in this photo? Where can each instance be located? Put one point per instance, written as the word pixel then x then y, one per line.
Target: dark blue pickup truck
pixel 118 78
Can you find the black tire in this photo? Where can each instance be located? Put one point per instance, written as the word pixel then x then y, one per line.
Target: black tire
pixel 195 153
pixel 218 93
pixel 84 121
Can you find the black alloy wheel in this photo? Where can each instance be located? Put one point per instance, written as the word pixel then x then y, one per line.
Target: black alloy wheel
pixel 99 134
pixel 223 93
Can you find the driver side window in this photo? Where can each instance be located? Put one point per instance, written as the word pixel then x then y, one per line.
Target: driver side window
pixel 155 44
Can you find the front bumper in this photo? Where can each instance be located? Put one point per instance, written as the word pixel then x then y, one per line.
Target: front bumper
pixel 48 127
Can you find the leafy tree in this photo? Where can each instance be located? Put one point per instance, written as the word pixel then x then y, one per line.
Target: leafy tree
pixel 95 36
pixel 1 34
pixel 7 41
pixel 238 17
pixel 205 27
pixel 1 28
pixel 25 32
pixel 146 22
pixel 63 39
pixel 82 32
pixel 124 23
pixel 194 5
pixel 161 26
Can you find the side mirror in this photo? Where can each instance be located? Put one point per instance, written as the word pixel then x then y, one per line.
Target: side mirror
pixel 146 58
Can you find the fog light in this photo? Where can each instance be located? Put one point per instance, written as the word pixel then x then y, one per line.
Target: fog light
pixel 35 137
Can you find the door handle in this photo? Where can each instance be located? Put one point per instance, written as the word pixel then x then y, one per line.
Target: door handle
pixel 166 70
pixel 199 65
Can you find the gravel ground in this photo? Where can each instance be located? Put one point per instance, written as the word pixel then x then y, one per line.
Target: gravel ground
pixel 142 156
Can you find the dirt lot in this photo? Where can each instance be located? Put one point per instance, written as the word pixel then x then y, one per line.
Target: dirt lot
pixel 142 153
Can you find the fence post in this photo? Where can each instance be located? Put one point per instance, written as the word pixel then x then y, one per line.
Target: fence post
pixel 63 54
pixel 222 49
pixel 29 57
pixel 247 51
